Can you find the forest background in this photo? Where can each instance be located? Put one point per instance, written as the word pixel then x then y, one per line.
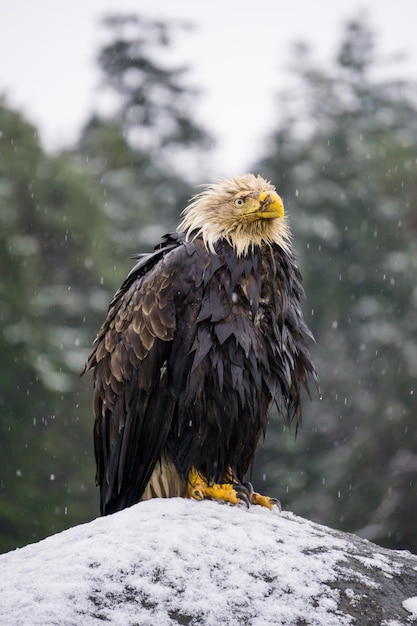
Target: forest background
pixel 342 155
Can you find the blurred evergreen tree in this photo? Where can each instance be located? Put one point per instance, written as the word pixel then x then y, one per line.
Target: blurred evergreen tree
pixel 151 101
pixel 68 224
pixel 52 241
pixel 146 151
pixel 344 160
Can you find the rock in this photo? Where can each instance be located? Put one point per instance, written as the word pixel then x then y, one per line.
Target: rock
pixel 170 562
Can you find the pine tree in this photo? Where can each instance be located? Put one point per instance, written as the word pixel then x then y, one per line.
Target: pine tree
pixel 145 153
pixel 345 163
pixel 52 237
pixel 68 223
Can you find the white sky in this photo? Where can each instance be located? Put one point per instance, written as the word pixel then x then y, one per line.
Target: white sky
pixel 238 53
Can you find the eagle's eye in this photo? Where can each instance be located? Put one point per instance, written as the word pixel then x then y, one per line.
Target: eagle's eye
pixel 239 202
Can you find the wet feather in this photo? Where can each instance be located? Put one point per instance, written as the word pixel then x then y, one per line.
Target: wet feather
pixel 205 333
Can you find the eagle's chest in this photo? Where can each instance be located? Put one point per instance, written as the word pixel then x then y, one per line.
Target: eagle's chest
pixel 234 324
pixel 231 371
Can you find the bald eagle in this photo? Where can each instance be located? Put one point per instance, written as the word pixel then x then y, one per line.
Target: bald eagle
pixel 203 337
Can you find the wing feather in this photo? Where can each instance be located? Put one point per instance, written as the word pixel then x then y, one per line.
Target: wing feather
pixel 132 403
pixel 194 350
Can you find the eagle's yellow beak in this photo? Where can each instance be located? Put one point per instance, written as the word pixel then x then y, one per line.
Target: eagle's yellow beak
pixel 271 205
pixel 267 205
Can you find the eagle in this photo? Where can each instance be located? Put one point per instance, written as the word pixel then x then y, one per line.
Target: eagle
pixel 204 336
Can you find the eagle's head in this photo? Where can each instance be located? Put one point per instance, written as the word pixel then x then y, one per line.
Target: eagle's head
pixel 246 211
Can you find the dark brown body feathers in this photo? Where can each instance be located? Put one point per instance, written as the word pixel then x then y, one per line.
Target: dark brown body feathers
pixel 195 349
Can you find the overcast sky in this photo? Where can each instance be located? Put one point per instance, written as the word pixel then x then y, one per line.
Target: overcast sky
pixel 238 53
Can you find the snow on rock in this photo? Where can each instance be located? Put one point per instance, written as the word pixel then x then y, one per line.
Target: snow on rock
pixel 169 562
pixel 411 605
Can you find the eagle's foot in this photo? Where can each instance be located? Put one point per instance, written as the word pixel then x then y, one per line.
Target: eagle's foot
pixel 269 503
pixel 233 492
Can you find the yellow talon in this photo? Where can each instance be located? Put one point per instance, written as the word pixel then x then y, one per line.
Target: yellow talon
pixel 269 503
pixel 199 489
pixel 233 492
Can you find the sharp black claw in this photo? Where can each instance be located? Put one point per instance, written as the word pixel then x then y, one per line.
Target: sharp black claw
pixel 275 502
pixel 243 498
pixel 249 488
pixel 242 488
pixel 198 495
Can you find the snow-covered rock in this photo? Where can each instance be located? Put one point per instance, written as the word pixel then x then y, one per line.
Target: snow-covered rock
pixel 170 562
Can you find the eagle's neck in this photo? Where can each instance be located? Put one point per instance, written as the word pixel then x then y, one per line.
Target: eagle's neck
pixel 242 236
